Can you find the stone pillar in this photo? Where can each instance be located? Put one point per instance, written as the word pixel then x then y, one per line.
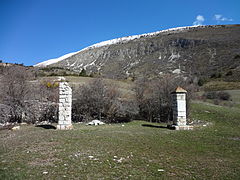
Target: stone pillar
pixel 179 109
pixel 65 106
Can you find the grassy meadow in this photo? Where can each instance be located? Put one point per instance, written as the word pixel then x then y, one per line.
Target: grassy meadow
pixel 135 150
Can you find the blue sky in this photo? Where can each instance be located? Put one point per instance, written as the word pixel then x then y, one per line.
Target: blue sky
pixel 32 31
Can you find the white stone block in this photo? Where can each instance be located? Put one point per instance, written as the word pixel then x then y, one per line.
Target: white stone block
pixel 61 117
pixel 62 101
pixel 65 106
pixel 179 108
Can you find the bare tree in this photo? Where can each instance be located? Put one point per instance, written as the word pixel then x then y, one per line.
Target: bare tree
pixel 154 96
pixel 94 99
pixel 14 88
pixel 100 99
pixel 24 99
pixel 43 102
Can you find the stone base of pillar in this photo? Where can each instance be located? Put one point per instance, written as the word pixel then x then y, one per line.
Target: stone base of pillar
pixel 64 127
pixel 185 127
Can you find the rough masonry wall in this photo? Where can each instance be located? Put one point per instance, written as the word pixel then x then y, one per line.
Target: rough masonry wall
pixel 179 109
pixel 65 106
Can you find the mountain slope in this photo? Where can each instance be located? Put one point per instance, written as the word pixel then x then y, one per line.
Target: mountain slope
pixel 197 50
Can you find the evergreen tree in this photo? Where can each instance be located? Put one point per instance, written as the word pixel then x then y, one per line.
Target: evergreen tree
pixel 83 73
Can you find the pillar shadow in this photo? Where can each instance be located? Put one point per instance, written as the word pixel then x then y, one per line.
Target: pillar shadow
pixel 155 126
pixel 46 126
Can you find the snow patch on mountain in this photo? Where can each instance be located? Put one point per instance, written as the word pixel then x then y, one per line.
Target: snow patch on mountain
pixel 55 60
pixel 116 41
pixel 91 64
pixel 128 38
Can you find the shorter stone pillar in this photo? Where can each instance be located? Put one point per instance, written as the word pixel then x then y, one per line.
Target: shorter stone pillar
pixel 179 109
pixel 65 106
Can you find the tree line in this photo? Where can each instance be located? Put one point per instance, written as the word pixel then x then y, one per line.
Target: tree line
pixel 25 98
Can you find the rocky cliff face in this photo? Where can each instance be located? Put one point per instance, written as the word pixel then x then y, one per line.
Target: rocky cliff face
pixel 200 51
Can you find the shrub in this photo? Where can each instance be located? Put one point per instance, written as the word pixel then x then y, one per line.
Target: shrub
pixel 50 113
pixel 50 84
pixel 237 56
pixel 122 111
pixel 216 75
pixel 83 73
pixel 229 73
pixel 216 102
pixel 154 97
pixel 99 99
pixel 15 90
pixel 95 74
pixel 224 96
pixel 217 95
pixel 23 101
pixel 201 81
pixel 210 95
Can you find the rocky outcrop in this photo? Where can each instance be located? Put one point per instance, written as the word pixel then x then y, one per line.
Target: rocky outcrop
pixel 196 51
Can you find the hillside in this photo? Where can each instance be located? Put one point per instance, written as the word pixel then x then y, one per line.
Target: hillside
pixel 191 51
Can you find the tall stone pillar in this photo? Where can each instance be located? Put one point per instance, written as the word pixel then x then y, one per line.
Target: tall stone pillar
pixel 65 106
pixel 179 108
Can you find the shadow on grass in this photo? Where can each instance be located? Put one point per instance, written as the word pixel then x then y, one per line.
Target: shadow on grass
pixel 46 126
pixel 154 126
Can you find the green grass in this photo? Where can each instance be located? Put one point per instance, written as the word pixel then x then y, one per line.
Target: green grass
pixel 211 152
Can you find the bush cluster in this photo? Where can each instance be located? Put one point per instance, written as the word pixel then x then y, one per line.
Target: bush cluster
pixel 202 81
pixel 154 97
pixel 50 84
pixel 101 100
pixel 220 95
pixel 24 101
